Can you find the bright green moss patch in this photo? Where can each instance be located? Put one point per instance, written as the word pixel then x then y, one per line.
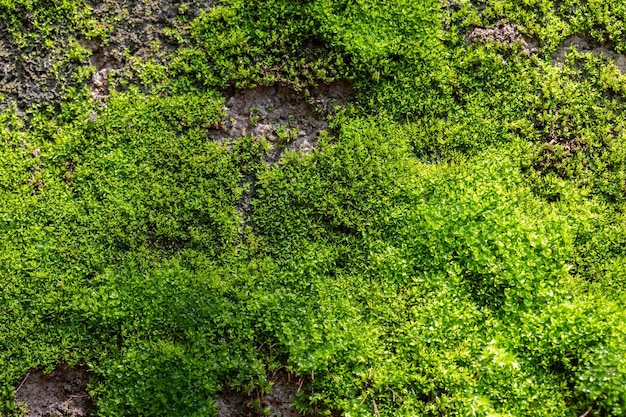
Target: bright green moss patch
pixel 249 43
pixel 453 245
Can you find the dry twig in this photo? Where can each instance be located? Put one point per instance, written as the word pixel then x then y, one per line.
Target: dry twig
pixel 22 383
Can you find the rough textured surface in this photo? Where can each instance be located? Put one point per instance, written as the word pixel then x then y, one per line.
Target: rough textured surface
pixel 139 31
pixel 138 26
pixel 503 33
pixel 586 45
pixel 26 75
pixel 60 393
pixel 278 402
pixel 282 115
pixel 38 72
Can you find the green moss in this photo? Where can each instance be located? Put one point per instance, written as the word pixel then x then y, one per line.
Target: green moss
pixel 453 246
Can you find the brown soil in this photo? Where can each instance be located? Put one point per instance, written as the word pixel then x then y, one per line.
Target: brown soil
pixel 507 33
pixel 60 393
pixel 278 402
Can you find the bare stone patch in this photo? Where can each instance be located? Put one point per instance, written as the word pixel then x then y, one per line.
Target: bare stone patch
pixel 60 393
pixel 585 45
pixel 278 402
pixel 286 118
pixel 504 33
pixel 105 63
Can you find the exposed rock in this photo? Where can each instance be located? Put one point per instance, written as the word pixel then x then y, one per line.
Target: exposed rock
pixel 585 45
pixel 283 116
pixel 60 393
pixel 507 33
pixel 278 402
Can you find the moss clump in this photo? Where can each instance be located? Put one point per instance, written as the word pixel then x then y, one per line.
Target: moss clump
pixel 453 245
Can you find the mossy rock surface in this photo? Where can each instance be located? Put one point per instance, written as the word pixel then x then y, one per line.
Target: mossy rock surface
pixel 321 207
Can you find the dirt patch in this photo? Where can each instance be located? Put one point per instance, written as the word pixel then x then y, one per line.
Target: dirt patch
pixel 278 402
pixel 288 119
pixel 60 393
pixel 585 45
pixel 503 33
